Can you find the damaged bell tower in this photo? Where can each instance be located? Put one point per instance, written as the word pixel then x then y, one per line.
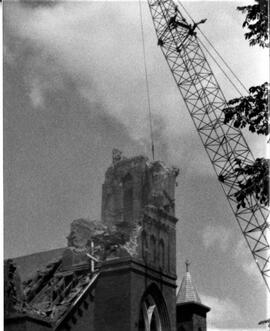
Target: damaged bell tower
pixel 131 184
pixel 139 193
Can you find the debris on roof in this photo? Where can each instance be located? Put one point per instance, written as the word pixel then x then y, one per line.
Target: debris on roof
pixel 52 291
pixel 108 241
pixel 58 295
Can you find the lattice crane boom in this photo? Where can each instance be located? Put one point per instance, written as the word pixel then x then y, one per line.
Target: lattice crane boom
pixel 205 102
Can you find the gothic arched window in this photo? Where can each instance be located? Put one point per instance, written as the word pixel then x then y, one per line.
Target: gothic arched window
pixel 153 311
pixel 149 316
pixel 127 198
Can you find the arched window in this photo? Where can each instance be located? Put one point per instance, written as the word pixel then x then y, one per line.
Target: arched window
pixel 161 249
pixel 152 249
pixel 153 311
pixel 127 198
pixel 149 316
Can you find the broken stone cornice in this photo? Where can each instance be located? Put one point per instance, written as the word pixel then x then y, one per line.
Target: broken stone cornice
pixel 126 162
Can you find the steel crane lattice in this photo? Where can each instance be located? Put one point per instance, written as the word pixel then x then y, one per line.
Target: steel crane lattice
pixel 205 102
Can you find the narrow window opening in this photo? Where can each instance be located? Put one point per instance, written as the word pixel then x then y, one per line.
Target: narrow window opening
pixel 144 246
pixel 153 249
pixel 161 254
pixel 127 198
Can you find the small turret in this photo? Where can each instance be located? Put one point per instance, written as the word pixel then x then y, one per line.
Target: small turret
pixel 190 312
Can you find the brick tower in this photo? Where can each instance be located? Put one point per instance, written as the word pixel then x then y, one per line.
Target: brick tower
pixel 190 312
pixel 137 292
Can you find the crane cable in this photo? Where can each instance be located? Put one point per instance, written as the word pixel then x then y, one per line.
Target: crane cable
pixel 226 64
pixel 147 84
pixel 216 51
pixel 205 48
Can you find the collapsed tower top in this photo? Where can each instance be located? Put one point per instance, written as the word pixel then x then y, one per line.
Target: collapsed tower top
pixel 133 183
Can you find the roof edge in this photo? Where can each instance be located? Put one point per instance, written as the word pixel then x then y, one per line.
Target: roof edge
pixel 194 303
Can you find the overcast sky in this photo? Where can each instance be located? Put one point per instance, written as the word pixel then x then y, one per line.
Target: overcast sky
pixel 74 88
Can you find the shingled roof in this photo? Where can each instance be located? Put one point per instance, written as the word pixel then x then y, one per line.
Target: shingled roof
pixel 187 292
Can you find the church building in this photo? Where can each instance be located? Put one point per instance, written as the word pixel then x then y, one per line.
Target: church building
pixel 118 274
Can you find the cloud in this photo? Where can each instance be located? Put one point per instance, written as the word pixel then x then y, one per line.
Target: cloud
pixel 216 235
pixel 97 46
pixel 99 58
pixel 244 258
pixel 85 42
pixel 222 311
pixel 43 76
pixel 36 94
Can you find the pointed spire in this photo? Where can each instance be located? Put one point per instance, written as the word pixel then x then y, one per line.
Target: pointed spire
pixel 187 291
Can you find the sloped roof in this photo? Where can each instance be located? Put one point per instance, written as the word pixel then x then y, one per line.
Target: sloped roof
pixel 55 310
pixel 29 264
pixel 187 292
pixel 55 290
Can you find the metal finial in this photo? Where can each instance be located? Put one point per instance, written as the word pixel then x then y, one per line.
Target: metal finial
pixel 187 264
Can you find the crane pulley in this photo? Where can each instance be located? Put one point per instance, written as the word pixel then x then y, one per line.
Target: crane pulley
pixel 205 101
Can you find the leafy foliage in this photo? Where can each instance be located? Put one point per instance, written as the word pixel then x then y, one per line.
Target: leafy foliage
pixel 257 23
pixel 256 181
pixel 251 110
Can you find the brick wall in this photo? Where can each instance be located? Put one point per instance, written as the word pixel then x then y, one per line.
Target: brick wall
pixel 119 292
pixel 82 318
pixel 112 302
